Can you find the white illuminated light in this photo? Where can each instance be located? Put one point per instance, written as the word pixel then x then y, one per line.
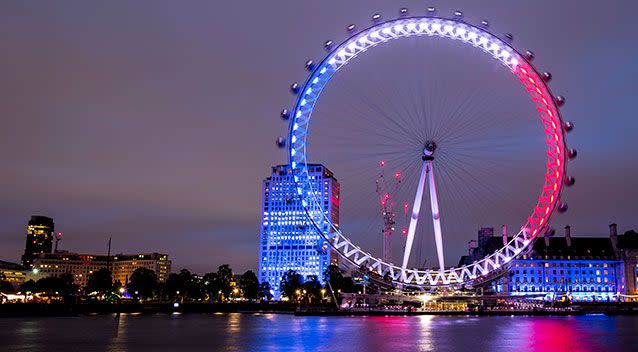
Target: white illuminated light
pixel 514 62
pixel 314 81
pixel 303 102
pixel 341 53
pixel 375 34
pixel 386 30
pixel 411 26
pixel 398 28
pixel 352 46
pixel 295 126
pixel 309 90
pixel 448 28
pixel 293 152
pixel 331 61
pixel 460 31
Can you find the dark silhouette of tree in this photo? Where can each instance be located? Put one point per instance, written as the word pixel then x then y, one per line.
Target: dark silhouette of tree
pixel 211 287
pixel 224 278
pixel 249 285
pixel 142 283
pixel 183 285
pixel 100 281
pixel 6 287
pixel 311 289
pixel 290 285
pixel 264 291
pixel 334 276
pixel 27 286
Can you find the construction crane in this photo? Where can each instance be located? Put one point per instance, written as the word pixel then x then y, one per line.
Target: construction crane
pixel 58 238
pixel 386 193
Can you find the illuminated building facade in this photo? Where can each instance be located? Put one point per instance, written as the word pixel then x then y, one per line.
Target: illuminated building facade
pixel 40 232
pixel 83 265
pixel 288 241
pixel 575 268
pixel 13 273
pixel 124 265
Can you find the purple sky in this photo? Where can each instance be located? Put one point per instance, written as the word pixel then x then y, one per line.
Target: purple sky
pixel 153 121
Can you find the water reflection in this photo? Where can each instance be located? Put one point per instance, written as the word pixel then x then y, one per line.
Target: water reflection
pixel 274 332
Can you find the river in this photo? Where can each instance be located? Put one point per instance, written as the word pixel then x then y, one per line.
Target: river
pixel 281 332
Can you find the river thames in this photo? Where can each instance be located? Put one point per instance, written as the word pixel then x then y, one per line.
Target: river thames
pixel 279 332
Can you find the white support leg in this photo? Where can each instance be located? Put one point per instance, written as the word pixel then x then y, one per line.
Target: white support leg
pixel 436 216
pixel 415 217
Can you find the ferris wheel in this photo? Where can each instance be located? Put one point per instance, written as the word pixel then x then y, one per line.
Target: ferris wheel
pixel 427 150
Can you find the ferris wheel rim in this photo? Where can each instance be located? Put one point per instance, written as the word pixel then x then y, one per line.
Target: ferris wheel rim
pixel 504 52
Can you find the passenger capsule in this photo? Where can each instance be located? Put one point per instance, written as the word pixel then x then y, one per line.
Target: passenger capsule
pixel 485 24
pixel 310 65
pixel 285 114
pixel 403 12
pixel 351 27
pixel 327 45
pixel 546 76
pixel 458 15
pixel 568 126
pixel 281 142
pixel 562 207
pixel 294 88
pixel 509 37
pixel 569 181
pixel 560 100
pixel 529 55
pixel 431 11
pixel 572 153
pixel 376 17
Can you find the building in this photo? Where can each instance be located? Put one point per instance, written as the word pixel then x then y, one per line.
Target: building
pixel 13 273
pixel 123 265
pixel 288 241
pixel 83 265
pixel 575 268
pixel 40 232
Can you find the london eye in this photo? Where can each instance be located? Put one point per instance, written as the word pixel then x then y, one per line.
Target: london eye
pixel 466 128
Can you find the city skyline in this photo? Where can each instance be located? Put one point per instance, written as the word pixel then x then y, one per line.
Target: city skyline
pixel 125 117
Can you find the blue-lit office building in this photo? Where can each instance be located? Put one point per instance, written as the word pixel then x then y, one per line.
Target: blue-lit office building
pixel 566 267
pixel 288 241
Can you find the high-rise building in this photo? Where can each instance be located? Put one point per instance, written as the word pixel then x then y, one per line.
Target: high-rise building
pixel 40 231
pixel 288 240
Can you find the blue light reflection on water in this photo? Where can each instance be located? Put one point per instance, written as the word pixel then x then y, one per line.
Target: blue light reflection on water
pixel 273 332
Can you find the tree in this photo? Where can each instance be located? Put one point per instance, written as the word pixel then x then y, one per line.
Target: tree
pixel 142 283
pixel 249 285
pixel 211 286
pixel 264 291
pixel 6 287
pixel 334 276
pixel 311 289
pixel 224 278
pixel 290 285
pixel 27 286
pixel 100 281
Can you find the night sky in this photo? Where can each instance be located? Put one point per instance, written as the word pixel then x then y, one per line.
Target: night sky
pixel 153 122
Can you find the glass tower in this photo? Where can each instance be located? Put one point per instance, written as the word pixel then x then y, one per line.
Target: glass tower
pixel 39 238
pixel 288 241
